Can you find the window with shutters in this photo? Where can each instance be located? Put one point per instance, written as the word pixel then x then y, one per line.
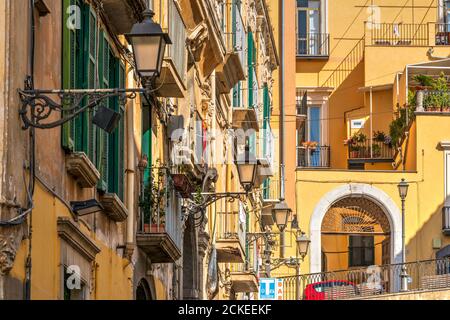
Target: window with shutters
pixel 89 62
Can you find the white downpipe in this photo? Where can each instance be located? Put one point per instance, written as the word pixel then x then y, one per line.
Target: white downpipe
pixel 371 123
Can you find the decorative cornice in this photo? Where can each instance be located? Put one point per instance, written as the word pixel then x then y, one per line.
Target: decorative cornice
pixel 71 233
pixel 79 166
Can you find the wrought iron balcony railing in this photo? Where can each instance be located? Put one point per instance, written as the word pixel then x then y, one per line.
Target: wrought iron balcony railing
pixel 399 34
pixel 369 281
pixel 313 157
pixel 313 45
pixel 433 101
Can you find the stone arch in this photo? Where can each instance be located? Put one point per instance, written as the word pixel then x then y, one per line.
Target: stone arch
pixel 370 192
pixel 143 290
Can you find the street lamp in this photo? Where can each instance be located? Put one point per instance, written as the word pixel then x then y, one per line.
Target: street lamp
pixel 247 168
pixel 280 214
pixel 302 245
pixel 403 192
pixel 149 43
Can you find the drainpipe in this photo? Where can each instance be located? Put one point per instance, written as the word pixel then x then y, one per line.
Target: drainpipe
pixel 371 123
pixel 282 118
pixel 213 118
pixel 130 176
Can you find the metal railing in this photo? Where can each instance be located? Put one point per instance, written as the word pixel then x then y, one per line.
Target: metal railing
pixel 369 281
pixel 251 264
pixel 236 37
pixel 313 45
pixel 370 149
pixel 442 34
pixel 231 221
pixel 399 34
pixel 432 101
pixel 446 220
pixel 318 157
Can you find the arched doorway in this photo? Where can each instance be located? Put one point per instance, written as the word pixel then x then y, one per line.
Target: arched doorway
pixel 355 232
pixel 378 199
pixel 143 291
pixel 190 265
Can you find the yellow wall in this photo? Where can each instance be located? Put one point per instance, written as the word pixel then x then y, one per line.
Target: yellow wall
pixel 113 276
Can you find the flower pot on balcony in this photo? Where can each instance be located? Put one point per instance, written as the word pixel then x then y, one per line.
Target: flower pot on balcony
pixel 182 185
pixel 354 154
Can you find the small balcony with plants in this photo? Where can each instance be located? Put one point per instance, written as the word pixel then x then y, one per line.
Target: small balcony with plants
pixel 430 93
pixel 378 148
pixel 158 226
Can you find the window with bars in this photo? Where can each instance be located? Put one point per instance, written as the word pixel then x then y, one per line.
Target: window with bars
pixel 89 62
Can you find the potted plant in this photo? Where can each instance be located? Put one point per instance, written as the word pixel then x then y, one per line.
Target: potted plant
pixel 360 138
pixel 376 150
pixel 424 81
pixel 379 136
pixel 354 151
pixel 311 145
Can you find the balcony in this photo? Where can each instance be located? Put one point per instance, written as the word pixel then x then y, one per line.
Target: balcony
pixel 159 226
pixel 244 276
pixel 442 34
pixel 130 13
pixel 231 71
pixel 358 283
pixel 433 100
pixel 266 151
pixel 313 156
pixel 370 150
pixel 171 83
pixel 446 220
pixel 398 34
pixel 230 234
pixel 313 45
pixel 245 119
pixel 270 196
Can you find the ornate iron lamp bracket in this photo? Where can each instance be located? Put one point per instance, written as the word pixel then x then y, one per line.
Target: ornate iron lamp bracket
pixel 208 198
pixel 38 106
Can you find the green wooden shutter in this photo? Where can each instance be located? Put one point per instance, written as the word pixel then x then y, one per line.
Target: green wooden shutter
pixel 89 134
pixel 250 68
pixel 116 142
pixel 69 51
pixel 101 137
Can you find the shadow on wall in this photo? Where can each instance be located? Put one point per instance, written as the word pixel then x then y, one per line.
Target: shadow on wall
pixel 345 98
pixel 429 242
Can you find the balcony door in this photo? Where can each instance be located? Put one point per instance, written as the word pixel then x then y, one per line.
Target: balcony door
pixel 308 27
pixel 309 133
